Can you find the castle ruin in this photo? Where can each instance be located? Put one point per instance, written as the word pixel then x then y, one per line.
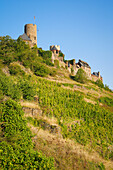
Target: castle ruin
pixel 71 65
pixel 30 37
pixel 30 34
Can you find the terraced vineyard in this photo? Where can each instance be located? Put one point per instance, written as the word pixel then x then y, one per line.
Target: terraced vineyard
pixel 95 123
pixel 82 112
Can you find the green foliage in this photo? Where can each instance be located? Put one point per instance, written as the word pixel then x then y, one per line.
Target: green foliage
pixel 56 63
pixel 70 61
pixel 99 83
pixel 95 127
pixel 16 90
pixel 35 59
pixel 9 88
pixel 53 73
pixel 16 70
pixel 36 63
pixel 11 49
pixel 72 70
pixel 46 55
pixel 28 88
pixel 68 85
pixel 81 76
pixel 106 87
pixel 16 148
pixel 61 55
pixel 66 67
pixel 106 100
pixel 41 69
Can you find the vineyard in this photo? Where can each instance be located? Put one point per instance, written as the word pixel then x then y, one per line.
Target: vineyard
pixel 96 124
pixel 89 125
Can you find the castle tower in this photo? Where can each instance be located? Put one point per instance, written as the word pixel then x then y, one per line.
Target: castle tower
pixel 99 74
pixel 31 31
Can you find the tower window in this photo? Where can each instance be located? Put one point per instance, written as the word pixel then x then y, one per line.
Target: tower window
pixel 34 38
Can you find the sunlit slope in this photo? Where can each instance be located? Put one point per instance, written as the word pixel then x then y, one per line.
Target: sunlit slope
pixel 80 115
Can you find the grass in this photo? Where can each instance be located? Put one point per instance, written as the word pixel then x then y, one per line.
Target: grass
pixel 66 153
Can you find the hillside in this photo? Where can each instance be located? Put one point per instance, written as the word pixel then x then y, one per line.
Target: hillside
pixel 48 120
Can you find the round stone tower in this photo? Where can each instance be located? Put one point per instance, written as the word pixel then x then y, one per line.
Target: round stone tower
pixel 31 31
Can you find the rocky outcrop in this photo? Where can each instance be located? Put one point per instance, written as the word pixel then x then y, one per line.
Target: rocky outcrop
pixel 32 111
pixel 36 113
pixel 54 129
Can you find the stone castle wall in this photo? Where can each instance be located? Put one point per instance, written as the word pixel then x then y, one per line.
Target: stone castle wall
pixel 95 78
pixel 31 31
pixel 73 67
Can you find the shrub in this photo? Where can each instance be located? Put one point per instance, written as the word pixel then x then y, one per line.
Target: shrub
pixel 28 89
pixel 41 69
pixel 46 55
pixel 72 70
pixel 16 147
pixel 48 62
pixel 16 69
pixel 66 67
pixel 106 100
pixel 106 87
pixel 61 55
pixel 8 58
pixel 11 49
pixel 56 63
pixel 99 83
pixel 9 88
pixel 53 73
pixel 80 76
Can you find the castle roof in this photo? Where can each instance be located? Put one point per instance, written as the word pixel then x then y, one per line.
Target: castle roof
pixel 55 47
pixel 96 74
pixel 83 63
pixel 25 37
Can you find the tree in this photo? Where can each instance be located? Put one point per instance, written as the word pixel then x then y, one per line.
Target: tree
pixel 81 76
pixel 99 83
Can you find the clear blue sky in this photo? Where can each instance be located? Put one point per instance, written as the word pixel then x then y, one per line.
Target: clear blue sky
pixel 83 28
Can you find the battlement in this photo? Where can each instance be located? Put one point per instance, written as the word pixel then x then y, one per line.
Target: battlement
pixel 55 47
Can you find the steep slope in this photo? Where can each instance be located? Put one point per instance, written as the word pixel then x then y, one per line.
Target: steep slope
pixel 70 121
pixel 67 153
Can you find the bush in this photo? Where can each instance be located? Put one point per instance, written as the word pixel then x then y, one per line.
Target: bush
pixel 28 89
pixel 72 70
pixel 46 55
pixel 41 69
pixel 99 83
pixel 48 62
pixel 106 87
pixel 80 76
pixel 56 63
pixel 11 49
pixel 106 100
pixel 53 73
pixel 16 69
pixel 9 88
pixel 61 55
pixel 16 147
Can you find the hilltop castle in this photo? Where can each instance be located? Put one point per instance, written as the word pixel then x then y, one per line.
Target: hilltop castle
pixel 30 37
pixel 71 65
pixel 30 34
